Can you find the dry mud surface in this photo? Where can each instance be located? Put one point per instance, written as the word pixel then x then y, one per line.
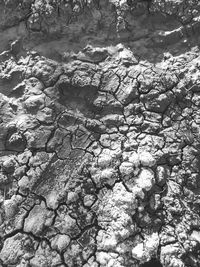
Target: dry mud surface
pixel 99 133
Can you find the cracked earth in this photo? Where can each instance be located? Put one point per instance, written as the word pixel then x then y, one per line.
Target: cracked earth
pixel 99 133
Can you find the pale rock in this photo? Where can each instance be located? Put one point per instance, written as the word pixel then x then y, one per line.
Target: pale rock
pixel 33 86
pixel 89 200
pixel 103 258
pixel 104 160
pixel 72 196
pixel 138 192
pixel 11 206
pixel 138 252
pixel 147 159
pixel 170 255
pixel 52 199
pixel 34 102
pixel 195 236
pixel 24 157
pixel 162 172
pixel 151 245
pixel 145 179
pixel 146 250
pixel 9 164
pixel 115 215
pixel 134 159
pixel 91 263
pixel 106 240
pixel 114 263
pixel 107 174
pixel 23 182
pixel 174 262
pixel 126 168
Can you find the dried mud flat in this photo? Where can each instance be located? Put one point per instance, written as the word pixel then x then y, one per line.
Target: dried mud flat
pixel 99 133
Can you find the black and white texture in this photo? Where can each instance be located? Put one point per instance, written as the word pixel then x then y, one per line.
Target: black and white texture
pixel 99 133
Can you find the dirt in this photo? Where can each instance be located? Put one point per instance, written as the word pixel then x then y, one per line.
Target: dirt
pixel 99 140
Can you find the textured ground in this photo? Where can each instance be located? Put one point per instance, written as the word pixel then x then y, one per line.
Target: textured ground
pixel 99 133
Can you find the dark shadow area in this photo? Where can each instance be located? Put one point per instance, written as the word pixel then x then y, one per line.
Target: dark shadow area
pixel 152 263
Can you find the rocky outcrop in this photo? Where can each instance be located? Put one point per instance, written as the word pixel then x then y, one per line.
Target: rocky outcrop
pixel 99 140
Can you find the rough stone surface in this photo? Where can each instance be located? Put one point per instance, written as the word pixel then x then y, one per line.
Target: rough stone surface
pixel 99 133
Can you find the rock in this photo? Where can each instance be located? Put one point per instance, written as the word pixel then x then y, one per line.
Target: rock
pixel 105 159
pixel 134 159
pixel 162 173
pixel 146 159
pixel 89 200
pixel 16 141
pixel 145 251
pixel 138 252
pixel 9 164
pixel 23 183
pixel 34 103
pixel 145 179
pixel 126 168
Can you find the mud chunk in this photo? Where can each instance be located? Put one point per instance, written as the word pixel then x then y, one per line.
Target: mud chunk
pixel 15 141
pixel 34 103
pixel 39 217
pixel 157 102
pixel 17 247
pixel 44 256
pixel 60 242
pixel 47 71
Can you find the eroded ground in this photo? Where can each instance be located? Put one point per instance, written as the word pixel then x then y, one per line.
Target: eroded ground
pixel 99 146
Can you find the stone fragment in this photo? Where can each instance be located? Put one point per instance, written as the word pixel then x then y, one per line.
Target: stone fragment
pixel 24 183
pixel 34 103
pixel 146 250
pixel 162 173
pixel 138 252
pixel 89 200
pixel 146 159
pixel 145 179
pixel 16 141
pixel 126 168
